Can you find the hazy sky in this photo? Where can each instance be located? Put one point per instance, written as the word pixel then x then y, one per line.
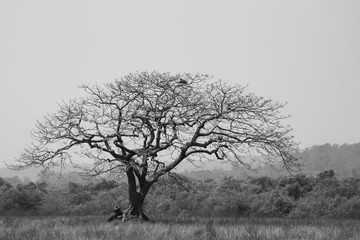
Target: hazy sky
pixel 306 53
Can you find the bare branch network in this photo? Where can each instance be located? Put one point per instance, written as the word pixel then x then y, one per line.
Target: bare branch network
pixel 151 122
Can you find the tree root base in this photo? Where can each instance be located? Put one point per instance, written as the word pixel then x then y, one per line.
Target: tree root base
pixel 127 216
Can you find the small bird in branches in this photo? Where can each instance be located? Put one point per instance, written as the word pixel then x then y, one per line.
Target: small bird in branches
pixel 182 81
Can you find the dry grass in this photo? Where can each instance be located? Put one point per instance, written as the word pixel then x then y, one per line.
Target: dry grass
pixel 79 228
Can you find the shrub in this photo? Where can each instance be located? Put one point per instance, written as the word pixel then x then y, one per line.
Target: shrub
pixel 349 209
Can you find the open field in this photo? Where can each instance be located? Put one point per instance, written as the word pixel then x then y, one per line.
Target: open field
pixel 94 227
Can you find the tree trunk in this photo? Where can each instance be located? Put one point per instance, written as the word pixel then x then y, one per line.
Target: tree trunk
pixel 136 196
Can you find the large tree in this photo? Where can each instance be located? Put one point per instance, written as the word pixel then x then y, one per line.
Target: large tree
pixel 146 124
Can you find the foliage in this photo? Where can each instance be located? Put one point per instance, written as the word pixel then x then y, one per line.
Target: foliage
pixel 297 196
pixel 22 198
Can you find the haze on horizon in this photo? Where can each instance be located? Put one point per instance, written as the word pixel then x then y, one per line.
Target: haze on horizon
pixel 305 53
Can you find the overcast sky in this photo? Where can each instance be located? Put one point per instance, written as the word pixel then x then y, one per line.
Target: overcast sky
pixel 306 53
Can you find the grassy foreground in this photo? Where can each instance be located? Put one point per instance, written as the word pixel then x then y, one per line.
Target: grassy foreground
pixel 93 227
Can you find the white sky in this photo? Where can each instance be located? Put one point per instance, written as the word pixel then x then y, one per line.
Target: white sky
pixel 306 53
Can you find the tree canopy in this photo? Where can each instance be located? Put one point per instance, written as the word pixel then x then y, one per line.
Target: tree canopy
pixel 154 121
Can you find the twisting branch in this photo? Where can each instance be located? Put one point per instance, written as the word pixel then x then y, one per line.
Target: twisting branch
pixel 153 121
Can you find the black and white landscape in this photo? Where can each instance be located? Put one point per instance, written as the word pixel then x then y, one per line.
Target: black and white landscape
pixel 179 120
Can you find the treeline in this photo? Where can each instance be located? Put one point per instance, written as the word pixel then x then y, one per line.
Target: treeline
pixel 343 159
pixel 296 196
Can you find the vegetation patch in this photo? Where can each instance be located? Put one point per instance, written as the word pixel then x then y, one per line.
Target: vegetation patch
pixel 92 227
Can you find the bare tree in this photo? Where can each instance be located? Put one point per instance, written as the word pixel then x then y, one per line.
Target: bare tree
pixel 146 124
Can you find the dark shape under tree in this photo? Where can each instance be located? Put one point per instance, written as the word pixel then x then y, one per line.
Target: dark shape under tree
pixel 118 214
pixel 146 124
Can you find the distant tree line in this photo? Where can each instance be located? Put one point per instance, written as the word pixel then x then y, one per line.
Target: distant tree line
pixel 343 159
pixel 297 196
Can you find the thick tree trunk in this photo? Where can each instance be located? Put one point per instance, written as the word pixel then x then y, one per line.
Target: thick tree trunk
pixel 135 210
pixel 136 196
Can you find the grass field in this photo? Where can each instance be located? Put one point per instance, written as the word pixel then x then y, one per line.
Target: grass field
pixel 94 227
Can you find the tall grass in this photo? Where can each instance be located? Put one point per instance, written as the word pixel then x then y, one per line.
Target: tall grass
pixel 93 227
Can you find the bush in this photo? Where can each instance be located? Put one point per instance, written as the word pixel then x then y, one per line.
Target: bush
pixel 273 204
pixel 23 198
pixel 349 209
pixel 316 205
